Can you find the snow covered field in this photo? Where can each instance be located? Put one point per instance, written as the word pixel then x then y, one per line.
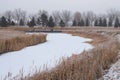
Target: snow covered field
pixel 58 45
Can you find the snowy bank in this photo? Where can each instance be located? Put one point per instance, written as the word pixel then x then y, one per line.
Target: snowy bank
pixel 114 71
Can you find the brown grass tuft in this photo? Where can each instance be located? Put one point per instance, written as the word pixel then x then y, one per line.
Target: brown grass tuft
pixel 97 38
pixel 13 41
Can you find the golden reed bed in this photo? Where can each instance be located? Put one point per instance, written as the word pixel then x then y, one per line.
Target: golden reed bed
pixel 11 40
pixel 89 65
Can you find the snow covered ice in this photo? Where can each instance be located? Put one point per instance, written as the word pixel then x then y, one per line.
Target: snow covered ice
pixel 58 45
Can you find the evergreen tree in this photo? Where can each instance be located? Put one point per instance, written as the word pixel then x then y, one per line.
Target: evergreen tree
pixel 31 23
pixel 13 23
pixel 96 23
pixel 104 22
pixel 87 22
pixel 81 23
pixel 51 22
pixel 62 24
pixel 3 22
pixel 74 23
pixel 28 23
pixel 9 22
pixel 44 19
pixel 0 21
pixel 100 22
pixel 110 23
pixel 21 22
pixel 38 21
pixel 116 22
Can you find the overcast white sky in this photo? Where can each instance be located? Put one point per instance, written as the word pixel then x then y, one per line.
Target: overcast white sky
pixel 32 6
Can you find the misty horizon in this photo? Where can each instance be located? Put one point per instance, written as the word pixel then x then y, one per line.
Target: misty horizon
pixel 97 6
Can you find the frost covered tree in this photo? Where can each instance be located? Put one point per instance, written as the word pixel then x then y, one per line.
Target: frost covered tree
pixel 91 17
pixel 66 17
pixel 57 17
pixel 9 17
pixel 77 17
pixel 18 15
pixel 112 15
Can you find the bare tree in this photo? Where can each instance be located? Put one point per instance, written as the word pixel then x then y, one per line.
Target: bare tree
pixel 112 15
pixel 66 17
pixel 91 17
pixel 84 17
pixel 40 12
pixel 9 16
pixel 19 14
pixel 56 17
pixel 77 17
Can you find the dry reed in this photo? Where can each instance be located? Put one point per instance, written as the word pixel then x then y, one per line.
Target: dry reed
pixel 17 42
pixel 88 65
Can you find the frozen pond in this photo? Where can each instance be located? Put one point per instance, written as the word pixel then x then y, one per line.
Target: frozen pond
pixel 58 45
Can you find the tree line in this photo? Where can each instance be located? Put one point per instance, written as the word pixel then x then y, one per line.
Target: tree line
pixel 19 17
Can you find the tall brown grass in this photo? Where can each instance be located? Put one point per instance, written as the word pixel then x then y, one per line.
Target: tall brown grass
pixel 18 42
pixel 76 28
pixel 97 37
pixel 88 65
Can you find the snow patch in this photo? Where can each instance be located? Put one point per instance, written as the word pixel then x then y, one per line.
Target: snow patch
pixel 114 72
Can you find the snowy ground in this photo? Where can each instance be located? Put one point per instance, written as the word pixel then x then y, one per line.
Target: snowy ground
pixel 34 57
